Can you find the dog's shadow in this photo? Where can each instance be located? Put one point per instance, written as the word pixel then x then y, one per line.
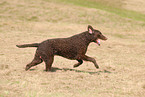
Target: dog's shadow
pixel 54 69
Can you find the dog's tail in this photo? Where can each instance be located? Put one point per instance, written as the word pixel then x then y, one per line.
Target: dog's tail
pixel 28 45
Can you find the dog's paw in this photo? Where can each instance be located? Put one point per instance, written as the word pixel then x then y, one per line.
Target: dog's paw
pixel 27 68
pixel 76 65
pixel 97 66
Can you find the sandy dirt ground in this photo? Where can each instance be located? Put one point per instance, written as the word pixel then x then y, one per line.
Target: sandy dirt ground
pixel 136 5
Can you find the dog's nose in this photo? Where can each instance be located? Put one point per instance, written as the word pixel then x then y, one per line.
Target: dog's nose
pixel 106 38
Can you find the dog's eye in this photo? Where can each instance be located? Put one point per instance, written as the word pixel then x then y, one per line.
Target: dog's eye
pixel 98 35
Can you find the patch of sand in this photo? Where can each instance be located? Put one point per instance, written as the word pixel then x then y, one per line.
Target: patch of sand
pixel 136 5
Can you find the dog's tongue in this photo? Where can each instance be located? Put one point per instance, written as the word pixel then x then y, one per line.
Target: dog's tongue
pixel 98 42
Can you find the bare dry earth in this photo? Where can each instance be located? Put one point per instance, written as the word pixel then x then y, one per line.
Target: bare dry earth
pixel 136 5
pixel 121 57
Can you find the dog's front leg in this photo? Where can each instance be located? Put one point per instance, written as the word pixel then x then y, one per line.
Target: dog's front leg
pixel 79 63
pixel 86 58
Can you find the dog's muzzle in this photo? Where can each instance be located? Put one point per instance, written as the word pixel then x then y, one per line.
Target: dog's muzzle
pixel 98 42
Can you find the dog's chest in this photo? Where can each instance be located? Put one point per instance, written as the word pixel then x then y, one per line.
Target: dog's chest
pixel 70 50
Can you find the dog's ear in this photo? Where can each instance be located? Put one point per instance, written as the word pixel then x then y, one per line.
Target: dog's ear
pixel 90 29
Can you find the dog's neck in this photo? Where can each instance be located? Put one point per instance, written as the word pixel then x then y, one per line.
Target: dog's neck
pixel 85 37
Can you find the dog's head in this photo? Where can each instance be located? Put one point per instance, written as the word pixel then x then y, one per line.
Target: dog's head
pixel 96 35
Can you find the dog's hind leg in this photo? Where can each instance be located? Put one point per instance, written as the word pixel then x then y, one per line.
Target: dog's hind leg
pixel 86 58
pixel 37 60
pixel 79 63
pixel 48 62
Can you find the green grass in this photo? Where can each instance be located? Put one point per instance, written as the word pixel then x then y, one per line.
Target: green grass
pixel 112 9
pixel 119 36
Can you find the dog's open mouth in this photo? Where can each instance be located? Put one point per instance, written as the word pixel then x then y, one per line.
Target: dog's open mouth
pixel 98 42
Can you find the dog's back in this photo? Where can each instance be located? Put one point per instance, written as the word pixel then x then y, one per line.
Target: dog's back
pixel 66 47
